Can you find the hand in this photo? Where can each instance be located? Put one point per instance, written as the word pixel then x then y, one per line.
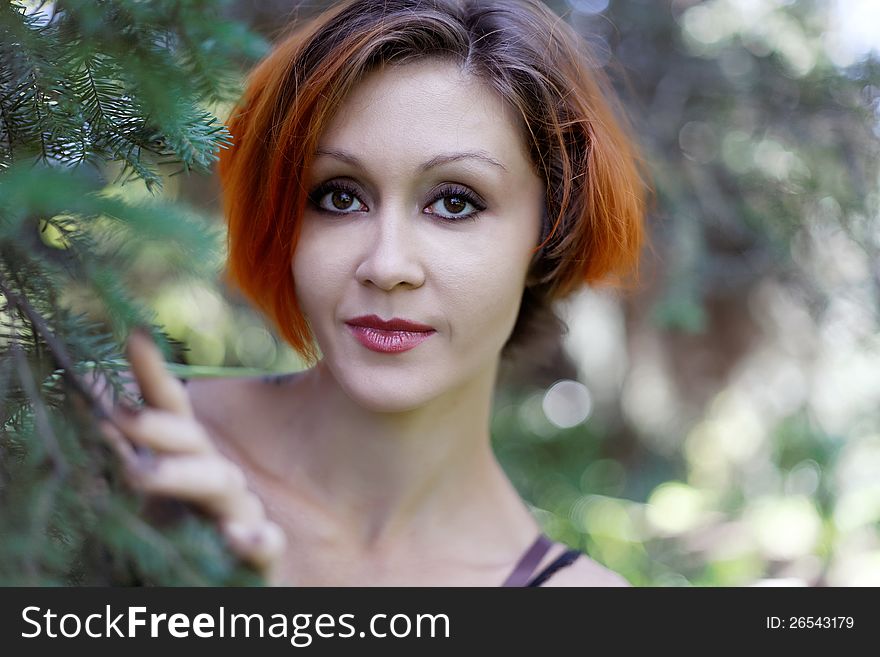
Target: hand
pixel 167 452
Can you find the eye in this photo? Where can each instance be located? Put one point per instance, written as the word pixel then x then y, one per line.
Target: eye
pixel 452 202
pixel 337 197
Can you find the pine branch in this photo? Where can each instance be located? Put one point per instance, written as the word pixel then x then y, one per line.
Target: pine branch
pixel 44 428
pixel 57 350
pixel 110 81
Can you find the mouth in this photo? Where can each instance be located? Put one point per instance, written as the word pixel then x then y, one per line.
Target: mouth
pixel 388 336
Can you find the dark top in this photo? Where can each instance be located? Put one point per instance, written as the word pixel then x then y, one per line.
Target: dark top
pixel 522 572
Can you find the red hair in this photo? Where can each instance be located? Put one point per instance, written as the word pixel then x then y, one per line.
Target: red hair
pixel 577 137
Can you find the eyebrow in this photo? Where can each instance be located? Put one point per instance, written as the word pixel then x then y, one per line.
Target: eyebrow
pixel 443 158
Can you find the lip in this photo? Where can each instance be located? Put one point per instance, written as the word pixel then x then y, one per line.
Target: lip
pixel 393 324
pixel 388 336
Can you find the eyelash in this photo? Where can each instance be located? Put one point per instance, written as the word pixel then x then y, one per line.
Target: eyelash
pixel 445 191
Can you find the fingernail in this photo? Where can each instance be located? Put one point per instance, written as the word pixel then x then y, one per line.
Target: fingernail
pixel 141 333
pixel 145 460
pixel 237 531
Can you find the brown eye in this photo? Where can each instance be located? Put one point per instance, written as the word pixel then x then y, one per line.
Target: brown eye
pixel 454 204
pixel 341 200
pixel 336 198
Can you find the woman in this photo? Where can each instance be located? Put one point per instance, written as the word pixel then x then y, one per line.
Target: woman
pixel 412 184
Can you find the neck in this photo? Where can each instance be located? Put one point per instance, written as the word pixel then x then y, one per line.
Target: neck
pixel 418 476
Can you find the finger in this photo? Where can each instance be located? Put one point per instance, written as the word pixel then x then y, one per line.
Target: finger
pixel 98 392
pixel 159 388
pixel 119 443
pixel 164 431
pixel 261 545
pixel 213 483
pixel 97 403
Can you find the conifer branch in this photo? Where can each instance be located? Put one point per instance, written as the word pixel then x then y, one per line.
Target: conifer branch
pixel 56 349
pixel 104 82
pixel 41 416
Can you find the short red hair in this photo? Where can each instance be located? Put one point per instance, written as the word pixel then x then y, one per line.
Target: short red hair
pixel 577 136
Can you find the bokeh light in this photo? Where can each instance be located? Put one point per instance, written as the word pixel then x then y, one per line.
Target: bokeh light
pixel 567 403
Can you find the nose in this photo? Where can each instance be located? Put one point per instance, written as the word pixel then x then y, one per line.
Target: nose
pixel 392 255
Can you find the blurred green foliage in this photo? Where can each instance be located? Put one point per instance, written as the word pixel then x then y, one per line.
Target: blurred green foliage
pixel 726 458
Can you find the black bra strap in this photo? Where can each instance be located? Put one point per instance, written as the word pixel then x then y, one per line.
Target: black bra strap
pixel 565 559
pixel 528 562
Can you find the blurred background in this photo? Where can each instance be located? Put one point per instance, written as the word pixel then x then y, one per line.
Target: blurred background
pixel 721 426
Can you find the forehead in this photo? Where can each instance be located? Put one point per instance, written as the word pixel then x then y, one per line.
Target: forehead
pixel 416 110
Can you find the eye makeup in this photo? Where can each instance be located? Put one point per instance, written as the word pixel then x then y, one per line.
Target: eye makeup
pixel 332 187
pixel 321 199
pixel 462 194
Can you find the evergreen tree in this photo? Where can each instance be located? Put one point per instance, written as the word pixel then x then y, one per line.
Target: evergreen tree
pixel 94 93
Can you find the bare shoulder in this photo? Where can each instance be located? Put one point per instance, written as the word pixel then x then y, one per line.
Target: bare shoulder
pixel 224 398
pixel 205 397
pixel 219 405
pixel 236 407
pixel 583 571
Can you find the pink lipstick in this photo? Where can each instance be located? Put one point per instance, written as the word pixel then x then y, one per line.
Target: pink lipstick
pixel 391 336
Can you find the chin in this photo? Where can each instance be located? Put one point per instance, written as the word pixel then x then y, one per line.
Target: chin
pixel 388 392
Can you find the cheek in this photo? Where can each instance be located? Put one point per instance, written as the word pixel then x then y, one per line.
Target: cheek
pixel 485 292
pixel 316 273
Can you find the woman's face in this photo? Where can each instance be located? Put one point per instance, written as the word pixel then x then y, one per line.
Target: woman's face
pixel 423 207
